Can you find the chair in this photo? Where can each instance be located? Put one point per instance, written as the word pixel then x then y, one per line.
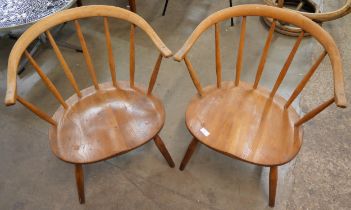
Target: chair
pixel 246 121
pixel 106 119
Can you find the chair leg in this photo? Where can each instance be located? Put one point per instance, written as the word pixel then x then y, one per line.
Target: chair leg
pixel 273 179
pixel 165 8
pixel 79 3
pixel 231 19
pixel 161 146
pixel 132 5
pixel 188 154
pixel 80 182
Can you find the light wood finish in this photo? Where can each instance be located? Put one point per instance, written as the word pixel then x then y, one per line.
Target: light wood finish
pixel 287 65
pixel 161 146
pixel 154 74
pixel 193 76
pixel 247 121
pixel 86 54
pixel 132 55
pixel 264 55
pixel 323 16
pixel 273 180
pixel 69 15
pixel 36 111
pixel 46 80
pixel 131 118
pixel 250 138
pixel 103 120
pixel 291 17
pixel 188 154
pixel 304 81
pixel 80 182
pixel 218 55
pixel 239 61
pixel 111 59
pixel 315 111
pixel 64 64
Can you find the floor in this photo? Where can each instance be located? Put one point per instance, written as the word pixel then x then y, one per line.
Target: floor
pixel 319 178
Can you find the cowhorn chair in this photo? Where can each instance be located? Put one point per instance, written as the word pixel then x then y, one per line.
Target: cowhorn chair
pixel 106 119
pixel 247 121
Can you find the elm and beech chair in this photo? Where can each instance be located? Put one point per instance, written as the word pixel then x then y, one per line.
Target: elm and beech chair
pixel 246 121
pixel 106 119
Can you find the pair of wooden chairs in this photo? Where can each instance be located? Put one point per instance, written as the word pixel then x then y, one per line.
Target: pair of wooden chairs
pixel 244 121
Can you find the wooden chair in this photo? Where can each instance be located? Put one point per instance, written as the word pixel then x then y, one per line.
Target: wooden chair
pixel 105 119
pixel 246 121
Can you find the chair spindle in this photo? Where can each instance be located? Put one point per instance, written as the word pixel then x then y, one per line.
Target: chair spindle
pixel 132 54
pixel 240 51
pixel 64 64
pixel 46 80
pixel 86 55
pixel 218 55
pixel 304 81
pixel 314 112
pixel 111 60
pixel 154 74
pixel 193 75
pixel 287 64
pixel 36 111
pixel 264 54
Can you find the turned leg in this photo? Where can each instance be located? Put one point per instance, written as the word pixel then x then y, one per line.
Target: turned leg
pixel 161 146
pixel 80 182
pixel 132 5
pixel 188 154
pixel 79 3
pixel 273 179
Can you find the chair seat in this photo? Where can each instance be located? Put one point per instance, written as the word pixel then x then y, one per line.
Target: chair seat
pixel 245 123
pixel 105 123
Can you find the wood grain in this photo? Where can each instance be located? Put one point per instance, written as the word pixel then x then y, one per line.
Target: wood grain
pixel 218 55
pixel 264 55
pixel 46 80
pixel 111 59
pixel 86 54
pixel 287 64
pixel 251 138
pixel 273 180
pixel 316 31
pixel 66 69
pixel 193 76
pixel 36 111
pixel 154 74
pixel 106 123
pixel 239 61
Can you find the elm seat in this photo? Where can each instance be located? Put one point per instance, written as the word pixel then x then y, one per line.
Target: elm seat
pixel 105 123
pixel 247 118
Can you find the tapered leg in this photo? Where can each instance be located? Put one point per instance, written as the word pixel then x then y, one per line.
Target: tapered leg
pixel 161 146
pixel 80 182
pixel 165 8
pixel 132 5
pixel 79 3
pixel 188 154
pixel 273 179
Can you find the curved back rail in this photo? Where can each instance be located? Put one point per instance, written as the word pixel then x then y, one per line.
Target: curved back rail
pixel 277 14
pixel 74 15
